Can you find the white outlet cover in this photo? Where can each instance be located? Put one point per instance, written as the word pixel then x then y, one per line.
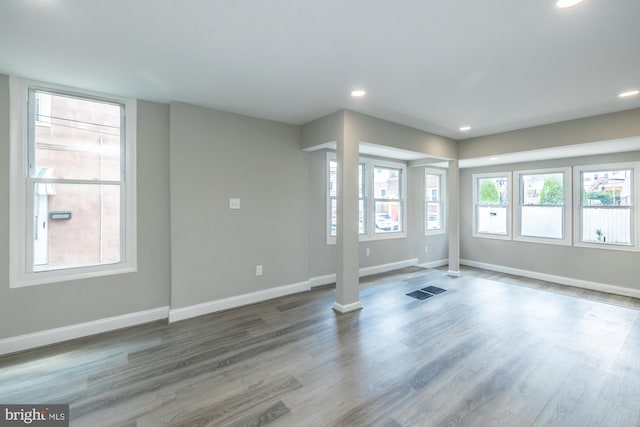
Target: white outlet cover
pixel 234 203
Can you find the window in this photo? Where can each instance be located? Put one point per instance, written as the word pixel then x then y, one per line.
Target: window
pixel 492 214
pixel 333 192
pixel 606 215
pixel 544 210
pixel 435 186
pixel 72 184
pixel 381 193
pixel 388 205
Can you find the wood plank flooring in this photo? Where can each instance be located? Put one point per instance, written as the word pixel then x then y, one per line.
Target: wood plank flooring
pixel 484 353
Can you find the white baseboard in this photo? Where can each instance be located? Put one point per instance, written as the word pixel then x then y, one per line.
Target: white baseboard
pixel 434 264
pixel 235 301
pixel 65 333
pixel 342 309
pixel 365 271
pixel 577 283
pixel 322 280
pixel 383 268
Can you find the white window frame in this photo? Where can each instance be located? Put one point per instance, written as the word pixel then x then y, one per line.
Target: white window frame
pixel 508 207
pixel 21 271
pixel 369 202
pixel 442 202
pixel 634 215
pixel 331 239
pixel 517 201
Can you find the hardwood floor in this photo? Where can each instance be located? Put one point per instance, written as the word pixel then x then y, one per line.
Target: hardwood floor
pixel 483 353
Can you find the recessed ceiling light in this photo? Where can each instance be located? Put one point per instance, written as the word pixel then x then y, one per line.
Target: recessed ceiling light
pixel 628 93
pixel 567 3
pixel 465 128
pixel 358 93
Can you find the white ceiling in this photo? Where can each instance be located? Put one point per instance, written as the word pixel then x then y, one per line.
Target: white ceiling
pixel 435 65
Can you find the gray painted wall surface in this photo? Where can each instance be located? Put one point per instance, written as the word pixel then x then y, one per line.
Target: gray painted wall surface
pixel 382 132
pixel 323 130
pixel 624 124
pixel 216 156
pixel 376 131
pixel 36 308
pixel 595 265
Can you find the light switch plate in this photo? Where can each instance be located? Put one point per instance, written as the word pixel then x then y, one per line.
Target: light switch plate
pixel 234 203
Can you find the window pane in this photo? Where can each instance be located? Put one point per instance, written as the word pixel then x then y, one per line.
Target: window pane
pixel 76 225
pixel 434 220
pixel 361 215
pixel 492 191
pixel 492 220
pixel 607 188
pixel 333 179
pixel 542 189
pixel 542 221
pixel 81 139
pixel 388 217
pixel 606 225
pixel 360 180
pixel 386 183
pixel 433 188
pixel 334 221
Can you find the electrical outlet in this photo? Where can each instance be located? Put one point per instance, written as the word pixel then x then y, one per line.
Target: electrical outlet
pixel 367 251
pixel 426 249
pixel 258 270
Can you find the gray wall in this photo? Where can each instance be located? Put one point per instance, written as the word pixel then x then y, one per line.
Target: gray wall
pixel 215 156
pixel 624 124
pixel 596 265
pixel 35 308
pixel 382 132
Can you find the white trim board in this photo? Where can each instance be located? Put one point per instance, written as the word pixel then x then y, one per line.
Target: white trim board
pixel 576 283
pixel 66 333
pixel 347 308
pixel 365 271
pixel 434 264
pixel 188 312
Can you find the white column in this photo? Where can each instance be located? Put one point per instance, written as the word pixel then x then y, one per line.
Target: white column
pixel 347 238
pixel 453 217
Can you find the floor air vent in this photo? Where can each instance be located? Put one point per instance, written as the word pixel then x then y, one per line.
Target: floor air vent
pixel 433 290
pixel 419 295
pixel 425 293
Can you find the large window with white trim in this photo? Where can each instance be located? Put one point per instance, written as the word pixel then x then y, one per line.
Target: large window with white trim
pixel 382 193
pixel 606 196
pixel 72 184
pixel 543 211
pixel 435 187
pixel 492 213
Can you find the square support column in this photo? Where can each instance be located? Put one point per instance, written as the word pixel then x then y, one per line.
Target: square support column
pixel 453 217
pixel 347 237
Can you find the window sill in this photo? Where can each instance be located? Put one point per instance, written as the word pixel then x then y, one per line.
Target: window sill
pixel 53 276
pixel 492 236
pixel 366 238
pixel 607 246
pixel 542 240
